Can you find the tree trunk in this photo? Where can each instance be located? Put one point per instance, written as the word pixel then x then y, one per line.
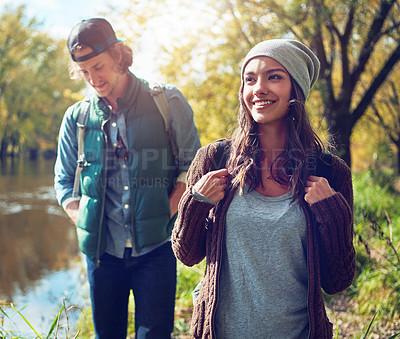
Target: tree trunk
pixel 339 129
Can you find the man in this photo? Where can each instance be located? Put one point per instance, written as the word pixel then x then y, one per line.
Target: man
pixel 130 184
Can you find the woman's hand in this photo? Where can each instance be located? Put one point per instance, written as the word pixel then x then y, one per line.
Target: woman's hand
pixel 212 185
pixel 317 188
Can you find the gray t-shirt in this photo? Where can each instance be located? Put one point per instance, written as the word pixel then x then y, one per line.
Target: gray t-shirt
pixel 263 281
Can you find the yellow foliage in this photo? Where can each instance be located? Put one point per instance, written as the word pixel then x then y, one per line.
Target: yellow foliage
pixel 74 96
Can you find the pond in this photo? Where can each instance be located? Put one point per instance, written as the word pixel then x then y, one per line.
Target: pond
pixel 40 263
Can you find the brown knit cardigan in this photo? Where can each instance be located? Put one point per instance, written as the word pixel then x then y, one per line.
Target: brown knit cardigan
pixel 199 233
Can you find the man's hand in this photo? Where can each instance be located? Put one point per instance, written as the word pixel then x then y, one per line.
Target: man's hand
pixel 72 211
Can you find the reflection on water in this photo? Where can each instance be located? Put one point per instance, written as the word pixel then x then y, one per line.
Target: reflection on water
pixel 39 256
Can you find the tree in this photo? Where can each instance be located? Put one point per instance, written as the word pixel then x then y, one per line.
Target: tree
pixel 345 34
pixel 33 85
pixel 351 45
pixel 386 113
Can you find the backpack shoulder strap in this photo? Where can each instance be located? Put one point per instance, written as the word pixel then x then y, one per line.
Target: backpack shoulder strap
pixel 81 126
pixel 161 101
pixel 324 167
pixel 221 155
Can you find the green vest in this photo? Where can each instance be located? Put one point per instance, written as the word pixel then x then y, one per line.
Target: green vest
pixel 152 172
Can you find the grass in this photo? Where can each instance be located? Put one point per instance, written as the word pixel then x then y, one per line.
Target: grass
pixel 374 297
pixel 53 332
pixel 188 278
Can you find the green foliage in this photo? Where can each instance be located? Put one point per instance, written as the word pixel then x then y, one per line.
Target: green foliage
pixel 187 280
pixel 374 196
pixel 369 326
pixel 376 288
pixel 5 309
pixel 85 324
pixel 33 84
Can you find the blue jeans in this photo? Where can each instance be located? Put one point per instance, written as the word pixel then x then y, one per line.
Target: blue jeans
pixel 152 279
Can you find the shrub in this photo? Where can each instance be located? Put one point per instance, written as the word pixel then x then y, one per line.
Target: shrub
pixel 376 288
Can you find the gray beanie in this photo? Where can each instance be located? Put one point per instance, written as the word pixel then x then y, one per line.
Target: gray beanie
pixel 301 63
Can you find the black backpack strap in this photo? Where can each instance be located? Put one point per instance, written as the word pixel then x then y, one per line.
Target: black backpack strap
pixel 221 155
pixel 324 167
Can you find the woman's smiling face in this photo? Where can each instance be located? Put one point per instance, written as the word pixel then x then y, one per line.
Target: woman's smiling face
pixel 267 90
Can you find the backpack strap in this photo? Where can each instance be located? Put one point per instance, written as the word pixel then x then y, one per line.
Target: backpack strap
pixel 81 126
pixel 221 155
pixel 324 167
pixel 158 94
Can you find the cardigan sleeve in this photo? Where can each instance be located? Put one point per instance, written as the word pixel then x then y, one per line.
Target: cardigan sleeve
pixel 189 232
pixel 334 216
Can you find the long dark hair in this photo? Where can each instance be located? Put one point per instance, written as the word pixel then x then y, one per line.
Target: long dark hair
pixel 293 165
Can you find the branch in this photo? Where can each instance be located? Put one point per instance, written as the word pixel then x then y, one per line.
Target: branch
pixel 389 239
pixel 326 66
pixel 344 43
pixel 318 45
pixel 390 29
pixel 289 21
pixel 385 126
pixel 395 98
pixel 378 81
pixel 372 38
pixel 237 22
pixel 349 23
pixel 318 39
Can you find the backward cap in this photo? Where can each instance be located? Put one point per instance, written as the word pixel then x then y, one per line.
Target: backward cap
pixel 301 63
pixel 95 33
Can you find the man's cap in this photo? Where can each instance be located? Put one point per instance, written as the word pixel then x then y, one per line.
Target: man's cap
pixel 95 33
pixel 301 63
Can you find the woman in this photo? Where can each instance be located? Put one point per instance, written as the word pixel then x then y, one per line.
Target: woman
pixel 274 230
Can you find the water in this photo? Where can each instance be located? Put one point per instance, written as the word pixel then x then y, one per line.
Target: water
pixel 40 263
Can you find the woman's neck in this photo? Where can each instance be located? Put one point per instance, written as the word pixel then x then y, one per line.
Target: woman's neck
pixel 272 141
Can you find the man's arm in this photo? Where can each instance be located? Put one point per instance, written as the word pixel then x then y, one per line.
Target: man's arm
pixel 186 134
pixel 175 196
pixel 65 166
pixel 187 139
